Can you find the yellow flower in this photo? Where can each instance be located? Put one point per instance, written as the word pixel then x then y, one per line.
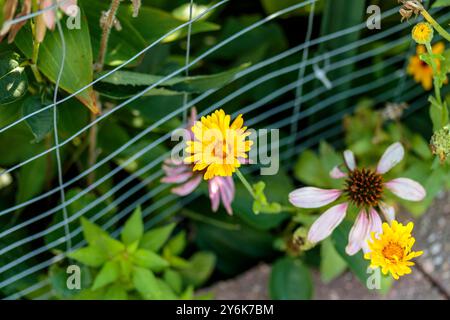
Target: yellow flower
pixel 421 71
pixel 422 33
pixel 392 249
pixel 218 147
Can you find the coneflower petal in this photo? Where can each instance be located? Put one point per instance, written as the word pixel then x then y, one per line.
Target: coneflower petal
pixel 407 189
pixel 391 157
pixel 311 197
pixel 327 222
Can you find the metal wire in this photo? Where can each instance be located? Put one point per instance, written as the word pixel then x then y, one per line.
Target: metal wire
pixel 327 127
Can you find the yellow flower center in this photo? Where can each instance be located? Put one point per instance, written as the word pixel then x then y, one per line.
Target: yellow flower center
pixel 393 251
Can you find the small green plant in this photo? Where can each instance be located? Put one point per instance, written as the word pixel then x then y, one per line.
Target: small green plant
pixel 141 265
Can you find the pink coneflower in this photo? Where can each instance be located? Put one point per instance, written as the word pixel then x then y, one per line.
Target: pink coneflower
pixel 363 188
pixel 221 189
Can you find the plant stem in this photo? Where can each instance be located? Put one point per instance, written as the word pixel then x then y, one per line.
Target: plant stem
pixel 437 89
pixel 246 183
pixel 92 156
pixel 435 24
pixel 106 30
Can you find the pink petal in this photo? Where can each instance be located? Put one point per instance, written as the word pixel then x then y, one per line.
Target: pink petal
pixel 358 233
pixel 66 6
pixel 227 194
pixel 179 178
pixel 349 158
pixel 49 15
pixel 188 187
pixel 407 189
pixel 375 226
pixel 393 155
pixel 327 222
pixel 388 211
pixel 311 197
pixel 336 173
pixel 221 188
pixel 214 196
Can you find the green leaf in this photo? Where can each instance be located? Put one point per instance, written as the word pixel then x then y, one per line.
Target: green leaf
pixel 201 266
pixel 441 3
pixel 92 232
pixel 78 71
pixel 174 280
pixel 40 124
pixel 116 292
pixel 13 79
pixel 177 244
pixel 108 274
pixel 193 84
pixel 154 239
pixel 331 263
pixel 308 169
pixel 31 179
pixel 146 283
pixel 90 256
pixel 261 205
pixel 99 239
pixel 150 260
pixel 134 228
pixel 290 280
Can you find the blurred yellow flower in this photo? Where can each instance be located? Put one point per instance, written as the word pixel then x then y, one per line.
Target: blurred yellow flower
pixel 421 71
pixel 218 146
pixel 392 249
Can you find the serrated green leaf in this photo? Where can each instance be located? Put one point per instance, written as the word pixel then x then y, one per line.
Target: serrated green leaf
pixel 134 228
pixel 108 274
pixel 154 239
pixel 177 244
pixel 92 233
pixel 40 124
pixel 146 283
pixel 149 259
pixel 13 79
pixel 290 280
pixel 90 256
pixel 174 280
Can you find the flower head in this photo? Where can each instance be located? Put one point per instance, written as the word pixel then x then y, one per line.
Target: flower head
pixel 440 143
pixel 364 188
pixel 221 189
pixel 218 147
pixel 422 33
pixel 392 249
pixel 420 70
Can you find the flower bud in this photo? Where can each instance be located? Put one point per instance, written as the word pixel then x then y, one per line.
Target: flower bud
pixel 440 143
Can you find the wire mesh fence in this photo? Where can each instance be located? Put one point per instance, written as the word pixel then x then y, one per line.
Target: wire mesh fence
pixel 302 106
